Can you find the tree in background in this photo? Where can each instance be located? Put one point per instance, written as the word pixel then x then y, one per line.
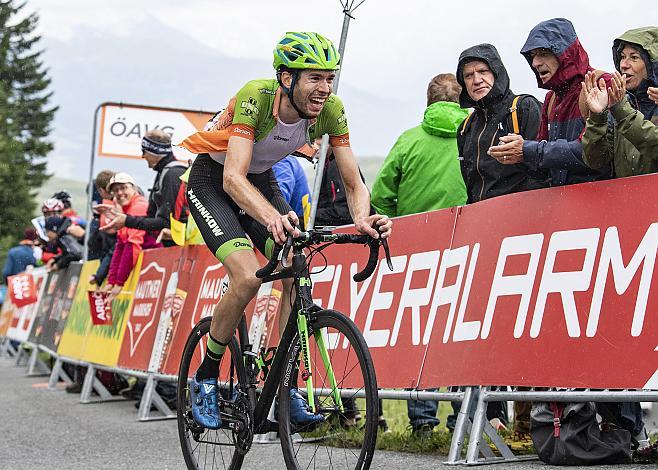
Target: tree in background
pixel 25 117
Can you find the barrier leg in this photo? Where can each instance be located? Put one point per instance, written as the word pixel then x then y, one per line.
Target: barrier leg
pixel 476 437
pixel 462 426
pixel 58 374
pixel 35 365
pixel 151 397
pixel 8 349
pixel 92 384
pixel 21 353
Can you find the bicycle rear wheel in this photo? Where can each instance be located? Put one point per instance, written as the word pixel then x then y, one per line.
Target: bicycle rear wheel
pixel 206 448
pixel 346 440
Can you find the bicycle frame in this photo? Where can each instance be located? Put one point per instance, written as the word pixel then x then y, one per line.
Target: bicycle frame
pixel 300 314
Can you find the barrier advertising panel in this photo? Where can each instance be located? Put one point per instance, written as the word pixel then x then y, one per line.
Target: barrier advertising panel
pixel 61 305
pixel 24 317
pixel 74 336
pixel 6 314
pixel 562 290
pixel 396 311
pixel 142 326
pixel 104 341
pixel 44 306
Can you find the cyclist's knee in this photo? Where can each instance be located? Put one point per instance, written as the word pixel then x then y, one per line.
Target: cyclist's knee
pixel 245 285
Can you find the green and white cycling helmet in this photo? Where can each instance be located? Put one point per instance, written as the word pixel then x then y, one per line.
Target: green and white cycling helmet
pixel 306 50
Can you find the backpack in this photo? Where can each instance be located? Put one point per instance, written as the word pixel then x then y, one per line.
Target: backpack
pixel 569 434
pixel 513 113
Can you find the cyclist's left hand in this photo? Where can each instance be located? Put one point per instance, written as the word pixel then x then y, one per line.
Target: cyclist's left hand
pixel 382 222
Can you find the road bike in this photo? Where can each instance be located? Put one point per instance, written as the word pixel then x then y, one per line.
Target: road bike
pixel 321 353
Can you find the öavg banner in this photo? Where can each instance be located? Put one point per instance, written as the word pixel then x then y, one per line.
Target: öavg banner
pixel 148 300
pixel 123 126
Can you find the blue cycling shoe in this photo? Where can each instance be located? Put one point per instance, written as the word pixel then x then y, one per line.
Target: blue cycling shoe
pixel 300 415
pixel 204 403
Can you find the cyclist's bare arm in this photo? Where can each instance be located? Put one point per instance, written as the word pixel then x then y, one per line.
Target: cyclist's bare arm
pixel 246 196
pixel 358 197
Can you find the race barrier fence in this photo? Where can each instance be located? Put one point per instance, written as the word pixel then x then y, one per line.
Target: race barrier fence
pixel 546 289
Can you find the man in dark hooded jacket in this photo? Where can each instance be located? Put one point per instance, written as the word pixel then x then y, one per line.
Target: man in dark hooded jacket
pixel 631 142
pixel 486 88
pixel 560 63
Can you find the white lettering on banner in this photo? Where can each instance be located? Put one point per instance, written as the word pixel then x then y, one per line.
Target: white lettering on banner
pixel 520 284
pixel 566 283
pixel 148 289
pixel 142 309
pixel 414 299
pixel 464 331
pixel 546 280
pixel 623 275
pixel 447 295
pixel 381 301
pixel 329 273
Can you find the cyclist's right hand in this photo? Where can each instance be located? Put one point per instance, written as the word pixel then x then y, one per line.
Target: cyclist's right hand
pixel 281 225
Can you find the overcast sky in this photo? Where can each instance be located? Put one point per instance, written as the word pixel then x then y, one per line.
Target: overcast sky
pixel 393 47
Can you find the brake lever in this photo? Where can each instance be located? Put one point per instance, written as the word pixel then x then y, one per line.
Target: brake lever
pixel 286 251
pixel 387 252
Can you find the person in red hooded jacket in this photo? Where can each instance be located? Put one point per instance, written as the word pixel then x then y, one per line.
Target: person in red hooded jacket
pixel 559 63
pixel 130 242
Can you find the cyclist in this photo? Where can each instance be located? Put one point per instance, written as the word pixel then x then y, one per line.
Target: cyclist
pixel 232 191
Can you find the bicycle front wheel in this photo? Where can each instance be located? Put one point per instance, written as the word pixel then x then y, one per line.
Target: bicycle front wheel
pixel 206 448
pixel 344 392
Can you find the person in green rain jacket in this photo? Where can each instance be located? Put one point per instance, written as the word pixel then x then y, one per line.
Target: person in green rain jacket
pixel 421 173
pixel 622 129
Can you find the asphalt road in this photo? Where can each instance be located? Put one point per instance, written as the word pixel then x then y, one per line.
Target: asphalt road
pixel 44 428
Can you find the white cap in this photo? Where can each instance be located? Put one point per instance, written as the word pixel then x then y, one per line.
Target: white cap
pixel 120 178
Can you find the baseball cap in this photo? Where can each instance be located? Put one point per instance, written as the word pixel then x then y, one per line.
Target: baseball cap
pixel 120 178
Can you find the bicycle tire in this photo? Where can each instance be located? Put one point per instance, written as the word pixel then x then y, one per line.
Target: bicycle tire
pixel 333 444
pixel 207 455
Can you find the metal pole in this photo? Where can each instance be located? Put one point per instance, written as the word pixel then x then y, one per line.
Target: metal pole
pixel 324 146
pixel 90 184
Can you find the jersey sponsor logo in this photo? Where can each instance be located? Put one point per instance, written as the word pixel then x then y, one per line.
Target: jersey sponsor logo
pixel 266 91
pixel 342 119
pixel 278 137
pixel 208 388
pixel 212 223
pixel 241 245
pixel 249 107
pixel 239 130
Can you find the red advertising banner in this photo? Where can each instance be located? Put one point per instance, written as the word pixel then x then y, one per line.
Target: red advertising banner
pixel 100 307
pixel 396 309
pixel 157 267
pixel 560 291
pixel 22 290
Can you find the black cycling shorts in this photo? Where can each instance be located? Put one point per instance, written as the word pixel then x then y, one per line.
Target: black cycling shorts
pixel 223 225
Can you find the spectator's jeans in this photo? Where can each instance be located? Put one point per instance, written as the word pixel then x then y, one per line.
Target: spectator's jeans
pixel 423 412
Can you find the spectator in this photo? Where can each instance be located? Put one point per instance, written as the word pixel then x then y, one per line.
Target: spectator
pixel 22 255
pixel 70 248
pixel 50 207
pixel 102 242
pixel 560 63
pixel 294 187
pixel 421 173
pixel 498 112
pixel 130 241
pixel 68 210
pixel 157 151
pixel 631 142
